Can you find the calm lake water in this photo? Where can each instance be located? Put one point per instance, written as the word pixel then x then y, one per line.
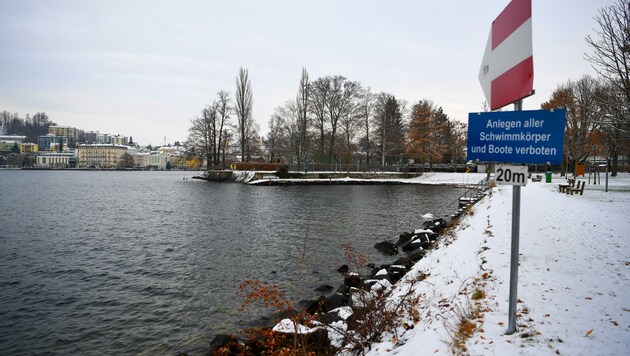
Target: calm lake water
pixel 101 263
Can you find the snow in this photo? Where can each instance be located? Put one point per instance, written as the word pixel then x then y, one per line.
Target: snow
pixel 422 231
pixel 574 274
pixel 431 178
pixel 288 326
pixel 343 312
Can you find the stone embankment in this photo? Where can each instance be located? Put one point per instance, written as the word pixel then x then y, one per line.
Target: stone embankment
pixel 306 178
pixel 332 302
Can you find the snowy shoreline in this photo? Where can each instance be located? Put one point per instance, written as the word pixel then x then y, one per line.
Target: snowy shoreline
pixel 574 276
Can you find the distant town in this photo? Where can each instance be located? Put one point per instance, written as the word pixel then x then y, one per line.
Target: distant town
pixel 69 147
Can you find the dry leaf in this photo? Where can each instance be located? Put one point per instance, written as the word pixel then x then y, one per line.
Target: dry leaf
pixel 589 332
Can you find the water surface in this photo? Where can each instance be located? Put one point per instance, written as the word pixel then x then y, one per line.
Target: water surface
pixel 102 262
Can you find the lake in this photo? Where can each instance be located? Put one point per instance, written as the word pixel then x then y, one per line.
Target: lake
pixel 109 262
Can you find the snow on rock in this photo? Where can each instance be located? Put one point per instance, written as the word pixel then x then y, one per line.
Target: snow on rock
pixel 574 276
pixel 287 326
pixel 343 312
pixel 243 176
pixel 336 331
pixel 381 285
pixel 422 231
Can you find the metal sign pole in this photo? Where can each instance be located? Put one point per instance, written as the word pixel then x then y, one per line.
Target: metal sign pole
pixel 516 212
pixel 516 222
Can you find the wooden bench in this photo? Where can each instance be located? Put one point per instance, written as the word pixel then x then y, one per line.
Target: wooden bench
pixel 537 178
pixel 579 189
pixel 562 188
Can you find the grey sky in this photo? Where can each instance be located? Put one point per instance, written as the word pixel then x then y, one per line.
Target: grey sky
pixel 145 68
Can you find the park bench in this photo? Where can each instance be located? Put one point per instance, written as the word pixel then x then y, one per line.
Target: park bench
pixel 537 178
pixel 579 189
pixel 562 188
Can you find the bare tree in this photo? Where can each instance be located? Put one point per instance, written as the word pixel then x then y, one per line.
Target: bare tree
pixel 456 138
pixel 611 60
pixel 611 130
pixel 301 144
pixel 243 108
pixel 611 47
pixel 276 141
pixel 319 90
pixel 224 111
pixel 202 133
pixel 365 112
pixel 339 104
pixel 350 124
pixel 579 99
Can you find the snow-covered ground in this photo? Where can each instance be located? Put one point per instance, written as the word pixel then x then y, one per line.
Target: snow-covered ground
pixel 426 178
pixel 574 274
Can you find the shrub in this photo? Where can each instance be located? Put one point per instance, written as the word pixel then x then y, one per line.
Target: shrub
pixel 282 171
pixel 254 166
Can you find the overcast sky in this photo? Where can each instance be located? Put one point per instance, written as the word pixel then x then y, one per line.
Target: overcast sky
pixel 145 68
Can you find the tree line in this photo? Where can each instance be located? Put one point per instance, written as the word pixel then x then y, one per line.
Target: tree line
pixel 331 120
pixel 29 126
pixel 598 109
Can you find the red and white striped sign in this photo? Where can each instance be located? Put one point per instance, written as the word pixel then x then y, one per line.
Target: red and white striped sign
pixel 507 68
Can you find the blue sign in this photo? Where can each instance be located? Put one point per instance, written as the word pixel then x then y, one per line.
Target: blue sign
pixel 533 136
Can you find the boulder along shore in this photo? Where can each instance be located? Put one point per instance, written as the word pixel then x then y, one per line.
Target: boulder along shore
pixel 335 306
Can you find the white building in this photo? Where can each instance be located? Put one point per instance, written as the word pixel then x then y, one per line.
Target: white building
pixel 55 159
pixel 158 161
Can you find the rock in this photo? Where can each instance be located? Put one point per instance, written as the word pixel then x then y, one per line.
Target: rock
pixel 343 269
pixel 412 246
pixel 368 283
pixel 318 341
pixel 352 281
pixel 404 238
pixel 437 225
pixel 324 288
pixel 417 256
pixel 387 248
pixel 343 290
pixel 334 301
pixel 425 243
pixel 334 315
pixel 312 306
pixel 395 273
pixel 396 268
pixel 222 340
pixel 404 261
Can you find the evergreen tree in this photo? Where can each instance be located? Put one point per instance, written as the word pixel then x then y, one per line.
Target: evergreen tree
pixel 389 138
